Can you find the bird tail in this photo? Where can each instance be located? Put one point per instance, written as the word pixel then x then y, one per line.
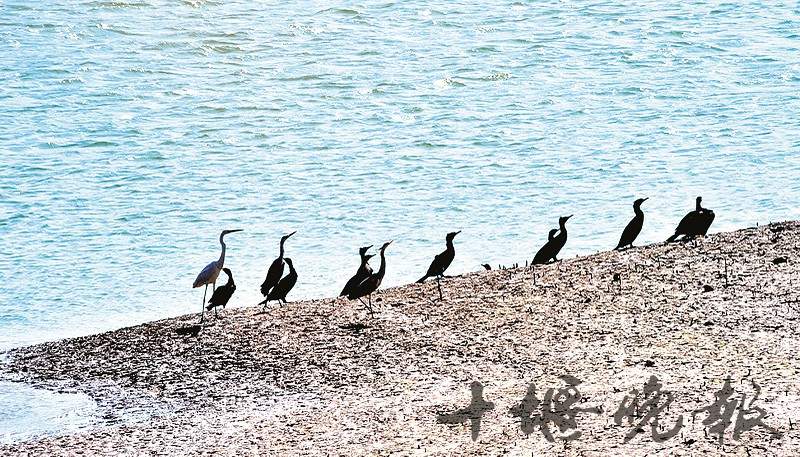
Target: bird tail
pixel 422 279
pixel 672 238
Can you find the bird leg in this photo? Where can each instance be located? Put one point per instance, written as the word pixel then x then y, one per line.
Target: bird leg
pixel 366 306
pixel 439 286
pixel 203 307
pixel 215 313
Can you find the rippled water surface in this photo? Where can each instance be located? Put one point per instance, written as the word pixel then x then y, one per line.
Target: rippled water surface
pixel 134 131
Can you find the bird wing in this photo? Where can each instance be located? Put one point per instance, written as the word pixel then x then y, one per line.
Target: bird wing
pixel 283 287
pixel 365 287
pixel 221 295
pixel 685 225
pixel 543 255
pixel 273 276
pixel 205 276
pixel 630 233
pixel 352 283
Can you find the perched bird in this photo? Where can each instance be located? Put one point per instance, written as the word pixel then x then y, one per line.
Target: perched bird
pixel 441 262
pixel 222 294
pixel 634 226
pixel 363 271
pixel 554 243
pixel 275 269
pixel 211 271
pixel 371 283
pixel 694 223
pixel 283 287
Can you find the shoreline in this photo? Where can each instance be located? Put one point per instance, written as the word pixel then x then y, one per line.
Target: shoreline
pixel 319 377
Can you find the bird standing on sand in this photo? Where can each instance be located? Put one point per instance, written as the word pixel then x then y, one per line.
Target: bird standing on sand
pixel 634 226
pixel 222 294
pixel 211 272
pixel 441 262
pixel 283 287
pixel 371 283
pixel 275 270
pixel 554 243
pixel 363 271
pixel 694 223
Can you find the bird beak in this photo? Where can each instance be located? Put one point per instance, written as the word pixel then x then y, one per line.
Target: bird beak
pixel 458 232
pixel 287 236
pixel 388 243
pixel 569 216
pixel 368 247
pixel 645 199
pixel 235 230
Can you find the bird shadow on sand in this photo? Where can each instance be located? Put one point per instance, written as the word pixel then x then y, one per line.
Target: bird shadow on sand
pixel 189 330
pixel 355 327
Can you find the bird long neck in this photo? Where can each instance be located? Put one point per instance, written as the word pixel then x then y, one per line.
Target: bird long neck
pixel 638 211
pixel 230 280
pixel 280 256
pixel 698 207
pixel 562 232
pixel 221 260
pixel 450 246
pixel 382 269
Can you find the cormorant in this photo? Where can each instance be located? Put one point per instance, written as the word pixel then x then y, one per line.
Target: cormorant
pixel 634 226
pixel 211 272
pixel 694 223
pixel 222 294
pixel 363 271
pixel 275 270
pixel 441 262
pixel 554 243
pixel 371 283
pixel 284 286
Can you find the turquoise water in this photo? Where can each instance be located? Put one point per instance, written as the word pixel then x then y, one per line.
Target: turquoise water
pixel 134 131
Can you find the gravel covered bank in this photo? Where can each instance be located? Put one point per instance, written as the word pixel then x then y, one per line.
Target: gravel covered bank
pixel 323 378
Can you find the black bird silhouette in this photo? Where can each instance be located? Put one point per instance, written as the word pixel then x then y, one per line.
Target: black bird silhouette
pixel 371 283
pixel 283 287
pixel 486 266
pixel 363 271
pixel 634 227
pixel 554 243
pixel 222 294
pixel 694 223
pixel 275 269
pixel 441 262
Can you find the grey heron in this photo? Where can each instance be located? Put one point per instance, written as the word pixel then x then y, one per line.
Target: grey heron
pixel 211 272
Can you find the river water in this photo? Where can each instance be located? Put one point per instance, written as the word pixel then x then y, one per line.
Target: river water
pixel 134 131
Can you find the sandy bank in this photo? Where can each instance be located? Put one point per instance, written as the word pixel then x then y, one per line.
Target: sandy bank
pixel 321 377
